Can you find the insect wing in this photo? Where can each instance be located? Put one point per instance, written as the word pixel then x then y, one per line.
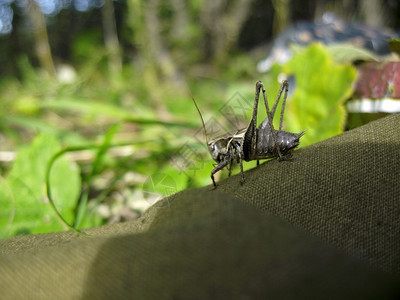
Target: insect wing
pixel 229 135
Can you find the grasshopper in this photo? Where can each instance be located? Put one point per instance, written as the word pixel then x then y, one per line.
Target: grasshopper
pixel 253 143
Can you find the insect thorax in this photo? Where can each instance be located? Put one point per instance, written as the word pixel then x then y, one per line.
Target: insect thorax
pixel 225 148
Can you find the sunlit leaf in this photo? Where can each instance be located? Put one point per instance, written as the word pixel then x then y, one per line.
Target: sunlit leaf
pixel 23 204
pixel 347 53
pixel 319 91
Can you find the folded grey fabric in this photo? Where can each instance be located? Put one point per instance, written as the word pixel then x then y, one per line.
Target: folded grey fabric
pixel 325 224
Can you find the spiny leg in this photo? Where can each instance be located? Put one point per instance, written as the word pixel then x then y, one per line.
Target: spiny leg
pixel 230 167
pixel 239 152
pixel 241 171
pixel 285 88
pixel 259 85
pixel 219 167
pixel 270 123
pixel 253 122
pixel 247 147
pixel 285 84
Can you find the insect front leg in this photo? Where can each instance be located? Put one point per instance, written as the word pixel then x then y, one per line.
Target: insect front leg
pixel 219 167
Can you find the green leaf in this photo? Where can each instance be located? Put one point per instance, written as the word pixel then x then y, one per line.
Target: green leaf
pixel 342 52
pixel 104 109
pixel 321 87
pixel 23 203
pixel 347 53
pixel 165 182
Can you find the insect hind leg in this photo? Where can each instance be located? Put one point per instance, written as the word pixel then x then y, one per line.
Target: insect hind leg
pixel 270 118
pixel 284 88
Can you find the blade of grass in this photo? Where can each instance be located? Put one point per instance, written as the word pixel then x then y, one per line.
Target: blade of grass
pixel 109 110
pixel 95 167
pixel 58 155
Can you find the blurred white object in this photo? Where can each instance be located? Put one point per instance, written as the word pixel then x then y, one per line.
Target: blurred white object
pixel 65 73
pixel 373 106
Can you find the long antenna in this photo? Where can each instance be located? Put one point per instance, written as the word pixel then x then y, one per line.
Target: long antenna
pixel 202 121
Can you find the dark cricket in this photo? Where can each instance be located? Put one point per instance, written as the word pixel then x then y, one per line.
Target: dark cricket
pixel 253 143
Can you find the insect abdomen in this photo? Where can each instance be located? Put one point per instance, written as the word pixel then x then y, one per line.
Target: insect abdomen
pixel 265 143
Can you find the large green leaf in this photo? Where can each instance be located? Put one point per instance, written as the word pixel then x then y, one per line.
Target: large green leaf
pixel 343 52
pixel 320 88
pixel 23 203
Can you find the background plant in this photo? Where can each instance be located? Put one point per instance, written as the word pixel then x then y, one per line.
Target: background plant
pixel 113 93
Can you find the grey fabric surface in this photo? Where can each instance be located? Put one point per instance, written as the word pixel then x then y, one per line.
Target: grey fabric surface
pixel 345 190
pixel 324 225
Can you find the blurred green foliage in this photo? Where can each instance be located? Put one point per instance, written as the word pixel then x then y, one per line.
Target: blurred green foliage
pixel 23 203
pixel 320 89
pixel 161 132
